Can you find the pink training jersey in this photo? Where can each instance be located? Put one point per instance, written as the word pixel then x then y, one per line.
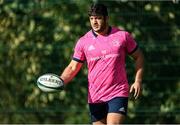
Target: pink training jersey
pixel 105 57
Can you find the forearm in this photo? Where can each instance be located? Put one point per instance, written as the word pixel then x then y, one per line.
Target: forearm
pixel 70 71
pixel 67 75
pixel 139 64
pixel 139 67
pixel 139 75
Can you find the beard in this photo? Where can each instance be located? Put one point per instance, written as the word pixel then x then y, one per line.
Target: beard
pixel 100 28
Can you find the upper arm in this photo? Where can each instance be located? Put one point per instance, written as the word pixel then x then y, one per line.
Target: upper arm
pixel 75 65
pixel 130 43
pixel 137 54
pixel 132 47
pixel 79 54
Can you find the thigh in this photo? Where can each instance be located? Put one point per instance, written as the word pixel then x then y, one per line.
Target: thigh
pixel 117 110
pixel 98 112
pixel 115 118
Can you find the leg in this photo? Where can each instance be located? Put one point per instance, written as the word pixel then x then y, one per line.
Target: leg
pixel 115 118
pixel 100 122
pixel 98 113
pixel 117 110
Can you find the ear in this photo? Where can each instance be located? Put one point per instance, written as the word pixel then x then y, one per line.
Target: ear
pixel 106 19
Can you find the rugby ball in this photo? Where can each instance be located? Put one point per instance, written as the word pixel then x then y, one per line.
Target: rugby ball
pixel 50 82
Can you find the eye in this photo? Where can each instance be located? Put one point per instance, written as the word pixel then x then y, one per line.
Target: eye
pixel 99 18
pixel 91 18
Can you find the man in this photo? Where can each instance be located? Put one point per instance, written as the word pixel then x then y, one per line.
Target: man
pixel 104 49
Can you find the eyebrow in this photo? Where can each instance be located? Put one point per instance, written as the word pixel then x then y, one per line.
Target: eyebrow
pixel 96 16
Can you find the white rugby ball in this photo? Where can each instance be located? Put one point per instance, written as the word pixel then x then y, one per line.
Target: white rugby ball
pixel 50 83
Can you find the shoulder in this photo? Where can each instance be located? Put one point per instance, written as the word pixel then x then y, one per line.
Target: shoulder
pixel 120 33
pixel 85 37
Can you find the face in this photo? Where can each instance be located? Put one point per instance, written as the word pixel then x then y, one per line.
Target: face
pixel 98 23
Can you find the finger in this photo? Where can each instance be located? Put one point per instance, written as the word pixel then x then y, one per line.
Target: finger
pixel 131 89
pixel 135 92
pixel 138 93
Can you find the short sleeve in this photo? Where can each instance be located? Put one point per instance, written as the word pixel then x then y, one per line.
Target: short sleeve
pixel 131 45
pixel 79 55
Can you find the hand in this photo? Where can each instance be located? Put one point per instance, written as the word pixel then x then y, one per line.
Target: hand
pixel 137 89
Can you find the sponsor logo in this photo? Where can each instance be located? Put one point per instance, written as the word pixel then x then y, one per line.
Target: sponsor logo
pixel 103 51
pixel 50 80
pixel 122 109
pixel 91 47
pixel 116 43
pixel 105 57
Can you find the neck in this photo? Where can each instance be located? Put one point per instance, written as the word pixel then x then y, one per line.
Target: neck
pixel 104 32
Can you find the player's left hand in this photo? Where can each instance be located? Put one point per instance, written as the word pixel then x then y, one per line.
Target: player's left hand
pixel 136 87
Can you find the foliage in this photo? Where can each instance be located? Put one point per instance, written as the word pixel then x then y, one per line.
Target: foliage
pixel 38 36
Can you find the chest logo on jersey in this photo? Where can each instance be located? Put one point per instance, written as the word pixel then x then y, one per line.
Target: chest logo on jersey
pixel 116 43
pixel 91 47
pixel 103 51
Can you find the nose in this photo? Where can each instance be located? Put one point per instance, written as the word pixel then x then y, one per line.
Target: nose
pixel 94 21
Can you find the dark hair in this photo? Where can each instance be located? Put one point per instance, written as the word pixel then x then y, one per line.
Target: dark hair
pixel 98 9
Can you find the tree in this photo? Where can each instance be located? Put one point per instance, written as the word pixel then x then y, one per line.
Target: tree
pixel 38 37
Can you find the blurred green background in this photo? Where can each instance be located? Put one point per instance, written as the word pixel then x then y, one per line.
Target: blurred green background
pixel 38 36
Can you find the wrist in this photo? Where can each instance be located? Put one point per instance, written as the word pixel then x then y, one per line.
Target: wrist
pixel 61 79
pixel 138 81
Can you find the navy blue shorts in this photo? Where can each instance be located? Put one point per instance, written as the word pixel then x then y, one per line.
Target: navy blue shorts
pixel 99 111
